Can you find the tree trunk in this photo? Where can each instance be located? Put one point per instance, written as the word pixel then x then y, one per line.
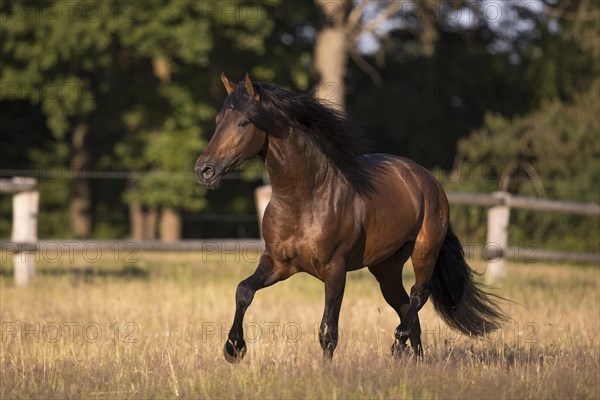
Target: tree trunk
pixel 331 54
pixel 429 32
pixel 81 220
pixel 137 219
pixel 142 221
pixel 170 225
pixel 170 221
pixel 150 221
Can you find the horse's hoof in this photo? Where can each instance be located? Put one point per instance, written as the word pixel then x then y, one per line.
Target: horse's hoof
pixel 234 350
pixel 327 356
pixel 399 349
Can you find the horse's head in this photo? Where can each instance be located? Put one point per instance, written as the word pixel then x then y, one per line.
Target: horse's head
pixel 236 138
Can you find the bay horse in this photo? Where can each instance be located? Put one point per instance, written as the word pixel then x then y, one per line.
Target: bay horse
pixel 336 209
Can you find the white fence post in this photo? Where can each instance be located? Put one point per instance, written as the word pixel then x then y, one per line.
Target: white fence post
pixel 262 195
pixel 497 238
pixel 24 231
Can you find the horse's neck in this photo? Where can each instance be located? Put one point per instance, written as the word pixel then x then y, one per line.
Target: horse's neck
pixel 295 176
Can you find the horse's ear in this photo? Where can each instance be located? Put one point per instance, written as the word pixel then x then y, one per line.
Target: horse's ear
pixel 250 88
pixel 229 86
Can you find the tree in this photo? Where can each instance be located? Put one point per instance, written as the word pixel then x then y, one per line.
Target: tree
pixel 137 88
pixel 331 52
pixel 550 153
pixel 344 24
pixel 54 55
pixel 170 134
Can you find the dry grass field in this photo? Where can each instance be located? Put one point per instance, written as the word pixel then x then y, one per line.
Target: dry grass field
pixel 153 326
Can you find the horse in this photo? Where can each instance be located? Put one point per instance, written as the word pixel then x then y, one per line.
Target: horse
pixel 336 208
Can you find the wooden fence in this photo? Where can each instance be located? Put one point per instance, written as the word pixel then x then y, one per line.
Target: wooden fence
pixel 499 205
pixel 24 243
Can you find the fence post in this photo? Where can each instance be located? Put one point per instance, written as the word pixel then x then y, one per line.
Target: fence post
pixel 262 194
pixel 497 238
pixel 24 231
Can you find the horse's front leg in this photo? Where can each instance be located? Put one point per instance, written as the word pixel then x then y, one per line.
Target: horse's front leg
pixel 265 275
pixel 335 282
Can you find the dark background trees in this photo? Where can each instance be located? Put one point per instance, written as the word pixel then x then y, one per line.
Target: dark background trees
pixel 133 87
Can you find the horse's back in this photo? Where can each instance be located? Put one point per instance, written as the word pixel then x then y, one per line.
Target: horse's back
pixel 399 177
pixel 401 166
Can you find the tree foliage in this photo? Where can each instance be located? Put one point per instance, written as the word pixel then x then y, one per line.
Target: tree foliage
pixel 517 95
pixel 143 75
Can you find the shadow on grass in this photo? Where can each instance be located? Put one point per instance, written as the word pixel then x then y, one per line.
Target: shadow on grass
pixel 87 273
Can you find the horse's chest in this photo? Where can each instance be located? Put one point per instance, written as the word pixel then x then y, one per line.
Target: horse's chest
pixel 302 254
pixel 295 250
pixel 308 242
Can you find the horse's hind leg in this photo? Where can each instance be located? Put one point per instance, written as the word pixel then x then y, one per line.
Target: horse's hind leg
pixel 389 276
pixel 423 258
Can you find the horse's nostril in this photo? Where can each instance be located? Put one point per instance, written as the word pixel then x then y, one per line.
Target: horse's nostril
pixel 207 172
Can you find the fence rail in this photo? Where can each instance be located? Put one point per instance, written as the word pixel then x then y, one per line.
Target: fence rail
pixel 500 204
pixel 75 245
pixel 228 246
pixel 528 203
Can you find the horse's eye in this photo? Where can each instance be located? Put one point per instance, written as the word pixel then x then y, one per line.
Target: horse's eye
pixel 243 124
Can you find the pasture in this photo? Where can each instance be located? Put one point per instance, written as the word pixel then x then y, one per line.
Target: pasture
pixel 154 324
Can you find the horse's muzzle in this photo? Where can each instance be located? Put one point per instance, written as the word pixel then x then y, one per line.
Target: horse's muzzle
pixel 207 175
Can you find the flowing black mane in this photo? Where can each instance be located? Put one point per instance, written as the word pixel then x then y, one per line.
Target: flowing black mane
pixel 329 132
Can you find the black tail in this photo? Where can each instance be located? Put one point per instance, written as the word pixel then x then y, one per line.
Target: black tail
pixel 462 303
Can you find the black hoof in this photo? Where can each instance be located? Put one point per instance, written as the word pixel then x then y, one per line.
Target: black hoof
pixel 234 350
pixel 399 349
pixel 327 355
